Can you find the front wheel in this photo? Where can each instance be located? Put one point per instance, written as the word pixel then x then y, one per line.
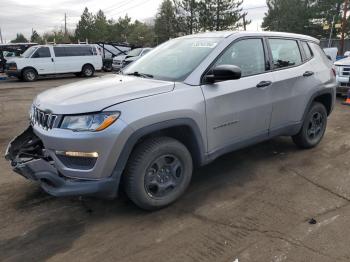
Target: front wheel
pixel 88 71
pixel 158 173
pixel 314 127
pixel 29 75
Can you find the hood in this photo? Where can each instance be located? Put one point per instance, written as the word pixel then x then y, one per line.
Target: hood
pixel 96 94
pixel 132 58
pixel 119 58
pixel 343 62
pixel 14 59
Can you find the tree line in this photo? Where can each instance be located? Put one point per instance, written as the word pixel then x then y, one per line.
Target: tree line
pixel 174 18
pixel 310 17
pixel 181 17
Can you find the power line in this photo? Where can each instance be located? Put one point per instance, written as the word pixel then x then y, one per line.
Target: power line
pixel 131 7
pixel 115 6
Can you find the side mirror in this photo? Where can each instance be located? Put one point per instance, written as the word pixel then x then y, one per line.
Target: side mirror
pixel 224 73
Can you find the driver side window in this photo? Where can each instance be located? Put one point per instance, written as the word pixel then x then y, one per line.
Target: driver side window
pixel 248 54
pixel 42 52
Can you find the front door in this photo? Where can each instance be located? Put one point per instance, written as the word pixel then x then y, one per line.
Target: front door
pixel 42 61
pixel 239 110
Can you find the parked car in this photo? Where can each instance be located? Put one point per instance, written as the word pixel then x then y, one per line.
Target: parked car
pixel 40 60
pixel 185 104
pixel 12 50
pixel 111 50
pixel 134 55
pixel 118 62
pixel 342 68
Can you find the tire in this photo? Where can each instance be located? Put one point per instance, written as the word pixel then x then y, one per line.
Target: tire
pixel 313 128
pixel 29 75
pixel 88 71
pixel 158 173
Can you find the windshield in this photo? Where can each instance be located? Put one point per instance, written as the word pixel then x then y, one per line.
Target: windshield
pixel 175 59
pixel 135 52
pixel 29 52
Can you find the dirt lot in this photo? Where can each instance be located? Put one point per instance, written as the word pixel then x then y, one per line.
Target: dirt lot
pixel 251 205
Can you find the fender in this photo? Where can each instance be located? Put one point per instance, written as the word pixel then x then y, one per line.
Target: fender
pixel 134 138
pixel 326 91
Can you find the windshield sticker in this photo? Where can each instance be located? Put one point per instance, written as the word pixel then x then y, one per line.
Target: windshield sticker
pixel 204 44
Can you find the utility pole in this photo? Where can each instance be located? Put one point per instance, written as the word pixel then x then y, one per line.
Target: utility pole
pixel 331 33
pixel 65 25
pixel 1 36
pixel 346 2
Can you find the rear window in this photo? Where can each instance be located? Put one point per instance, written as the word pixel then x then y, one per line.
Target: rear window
pixel 74 51
pixel 285 53
pixel 307 50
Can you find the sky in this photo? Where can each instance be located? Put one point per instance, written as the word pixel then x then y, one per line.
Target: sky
pixel 46 15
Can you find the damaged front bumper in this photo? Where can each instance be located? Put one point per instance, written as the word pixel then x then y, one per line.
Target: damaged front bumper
pixel 29 158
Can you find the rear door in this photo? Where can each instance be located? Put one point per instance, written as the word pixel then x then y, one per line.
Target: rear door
pixel 238 110
pixel 43 61
pixel 292 74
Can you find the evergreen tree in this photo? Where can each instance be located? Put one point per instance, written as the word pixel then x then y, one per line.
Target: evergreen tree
pixel 86 26
pixel 35 38
pixel 187 15
pixel 165 23
pixel 20 38
pixel 100 27
pixel 221 14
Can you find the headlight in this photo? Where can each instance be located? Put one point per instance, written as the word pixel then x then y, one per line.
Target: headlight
pixel 11 66
pixel 337 70
pixel 92 122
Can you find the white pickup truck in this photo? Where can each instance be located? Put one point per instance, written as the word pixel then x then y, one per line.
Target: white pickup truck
pixel 343 75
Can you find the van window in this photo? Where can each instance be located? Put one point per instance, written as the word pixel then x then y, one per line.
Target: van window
pixel 73 51
pixel 285 53
pixel 307 50
pixel 59 51
pixel 247 54
pixel 42 52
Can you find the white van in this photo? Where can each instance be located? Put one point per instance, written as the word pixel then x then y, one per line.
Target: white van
pixel 82 60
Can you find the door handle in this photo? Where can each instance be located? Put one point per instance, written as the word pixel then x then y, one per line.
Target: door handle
pixel 263 84
pixel 308 73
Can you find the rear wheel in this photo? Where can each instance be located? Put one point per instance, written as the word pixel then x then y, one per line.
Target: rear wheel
pixel 88 71
pixel 29 75
pixel 313 128
pixel 158 173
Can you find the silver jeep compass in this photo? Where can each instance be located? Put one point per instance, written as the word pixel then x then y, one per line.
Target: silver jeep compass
pixel 185 103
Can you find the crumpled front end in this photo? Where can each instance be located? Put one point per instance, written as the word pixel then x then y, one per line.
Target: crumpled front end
pixel 30 159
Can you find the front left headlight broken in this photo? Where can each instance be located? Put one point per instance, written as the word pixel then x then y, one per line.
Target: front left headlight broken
pixel 89 122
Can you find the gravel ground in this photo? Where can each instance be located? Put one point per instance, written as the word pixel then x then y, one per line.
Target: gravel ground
pixel 255 204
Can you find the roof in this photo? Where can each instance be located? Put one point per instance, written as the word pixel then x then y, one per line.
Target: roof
pixel 226 34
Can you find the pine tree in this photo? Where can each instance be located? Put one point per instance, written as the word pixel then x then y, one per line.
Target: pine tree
pixel 165 23
pixel 100 26
pixel 85 27
pixel 187 15
pixel 288 16
pixel 20 38
pixel 221 14
pixel 35 37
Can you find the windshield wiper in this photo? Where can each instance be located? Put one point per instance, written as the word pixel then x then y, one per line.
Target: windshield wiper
pixel 138 74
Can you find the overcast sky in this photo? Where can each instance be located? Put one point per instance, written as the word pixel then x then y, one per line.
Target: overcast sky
pixel 46 15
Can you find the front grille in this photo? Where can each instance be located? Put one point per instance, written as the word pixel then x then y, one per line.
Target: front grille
pixel 43 119
pixel 345 71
